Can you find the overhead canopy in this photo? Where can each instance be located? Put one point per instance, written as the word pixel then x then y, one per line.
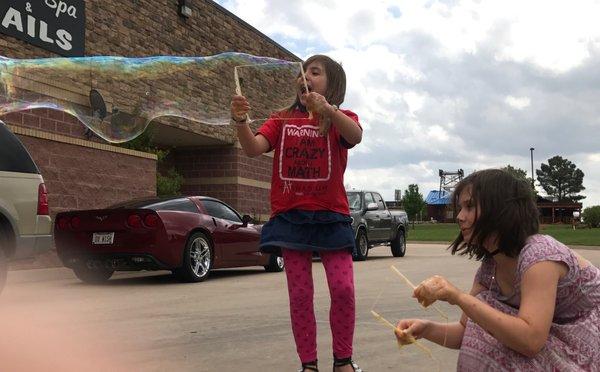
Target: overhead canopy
pixel 436 197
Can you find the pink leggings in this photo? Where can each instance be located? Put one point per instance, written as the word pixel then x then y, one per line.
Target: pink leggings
pixel 340 278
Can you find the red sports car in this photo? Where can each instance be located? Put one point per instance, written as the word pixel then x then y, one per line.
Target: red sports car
pixel 187 235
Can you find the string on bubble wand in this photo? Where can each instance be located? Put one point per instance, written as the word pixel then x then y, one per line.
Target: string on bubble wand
pixel 238 85
pixel 409 339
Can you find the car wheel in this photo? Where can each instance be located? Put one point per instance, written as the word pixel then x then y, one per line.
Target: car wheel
pixel 275 264
pixel 362 246
pixel 399 244
pixel 92 275
pixel 197 259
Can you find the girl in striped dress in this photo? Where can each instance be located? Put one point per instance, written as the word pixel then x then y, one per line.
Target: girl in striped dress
pixel 534 304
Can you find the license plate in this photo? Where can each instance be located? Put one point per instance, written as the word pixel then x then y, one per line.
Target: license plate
pixel 103 238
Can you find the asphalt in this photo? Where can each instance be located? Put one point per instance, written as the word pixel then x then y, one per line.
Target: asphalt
pixel 236 321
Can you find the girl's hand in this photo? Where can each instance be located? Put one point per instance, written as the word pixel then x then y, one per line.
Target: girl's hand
pixel 409 330
pixel 316 103
pixel 239 108
pixel 436 288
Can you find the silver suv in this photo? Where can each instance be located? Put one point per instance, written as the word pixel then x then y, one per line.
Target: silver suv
pixel 25 223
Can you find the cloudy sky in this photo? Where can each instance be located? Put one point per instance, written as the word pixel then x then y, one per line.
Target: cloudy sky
pixel 454 84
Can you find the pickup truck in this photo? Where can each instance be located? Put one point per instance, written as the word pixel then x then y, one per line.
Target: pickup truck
pixel 375 224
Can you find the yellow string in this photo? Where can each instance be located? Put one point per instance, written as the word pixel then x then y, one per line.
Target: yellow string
pixel 410 338
pixel 442 314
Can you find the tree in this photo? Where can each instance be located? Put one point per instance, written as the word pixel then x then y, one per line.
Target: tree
pixel 517 172
pixel 561 179
pixel 591 216
pixel 521 174
pixel 413 201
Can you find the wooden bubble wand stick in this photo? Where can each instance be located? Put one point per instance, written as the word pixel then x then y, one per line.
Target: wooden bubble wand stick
pixel 310 114
pixel 442 314
pixel 238 86
pixel 410 338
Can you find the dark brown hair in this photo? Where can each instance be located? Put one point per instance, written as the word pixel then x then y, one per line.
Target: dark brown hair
pixel 506 212
pixel 336 80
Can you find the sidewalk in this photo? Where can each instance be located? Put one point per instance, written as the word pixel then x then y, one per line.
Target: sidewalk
pixel 585 247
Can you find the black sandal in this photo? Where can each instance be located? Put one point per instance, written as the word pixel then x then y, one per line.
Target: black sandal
pixel 344 362
pixel 309 366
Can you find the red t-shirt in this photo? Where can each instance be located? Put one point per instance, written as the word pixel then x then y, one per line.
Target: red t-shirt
pixel 308 169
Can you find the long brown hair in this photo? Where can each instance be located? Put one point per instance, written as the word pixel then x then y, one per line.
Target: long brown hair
pixel 336 86
pixel 506 212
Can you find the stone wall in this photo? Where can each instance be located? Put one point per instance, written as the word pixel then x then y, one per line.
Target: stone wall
pixel 228 174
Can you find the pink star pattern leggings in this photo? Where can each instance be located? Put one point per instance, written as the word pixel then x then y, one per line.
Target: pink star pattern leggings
pixel 340 278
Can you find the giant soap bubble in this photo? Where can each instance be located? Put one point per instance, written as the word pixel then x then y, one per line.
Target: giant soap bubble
pixel 118 97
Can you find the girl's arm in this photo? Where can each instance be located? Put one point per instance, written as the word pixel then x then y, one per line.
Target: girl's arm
pixel 525 333
pixel 437 332
pixel 445 334
pixel 347 127
pixel 251 144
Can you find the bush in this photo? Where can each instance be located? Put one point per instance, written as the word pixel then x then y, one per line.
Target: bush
pixel 591 216
pixel 170 184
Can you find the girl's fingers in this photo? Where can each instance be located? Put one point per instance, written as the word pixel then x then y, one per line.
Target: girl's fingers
pixel 403 324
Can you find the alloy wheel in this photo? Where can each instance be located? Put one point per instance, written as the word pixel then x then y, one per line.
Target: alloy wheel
pixel 200 256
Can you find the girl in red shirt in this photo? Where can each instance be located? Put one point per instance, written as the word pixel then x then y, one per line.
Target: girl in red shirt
pixel 309 207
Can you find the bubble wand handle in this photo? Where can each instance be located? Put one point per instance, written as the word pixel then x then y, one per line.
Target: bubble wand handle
pixel 310 114
pixel 403 277
pixel 238 87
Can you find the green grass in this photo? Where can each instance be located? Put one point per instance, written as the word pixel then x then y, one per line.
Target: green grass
pixel 566 234
pixel 445 232
pixel 437 232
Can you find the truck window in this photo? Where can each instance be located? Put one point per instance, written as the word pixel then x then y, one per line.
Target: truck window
pixel 379 201
pixel 13 155
pixel 354 201
pixel 368 198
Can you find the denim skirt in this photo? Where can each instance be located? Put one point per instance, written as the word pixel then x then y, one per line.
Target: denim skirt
pixel 307 231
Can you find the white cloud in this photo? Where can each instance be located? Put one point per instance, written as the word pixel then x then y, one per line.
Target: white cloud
pixel 517 102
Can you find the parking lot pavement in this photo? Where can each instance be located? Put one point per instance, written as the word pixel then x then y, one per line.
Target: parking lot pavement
pixel 237 320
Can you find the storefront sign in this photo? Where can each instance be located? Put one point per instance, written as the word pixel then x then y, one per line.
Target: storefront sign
pixel 55 25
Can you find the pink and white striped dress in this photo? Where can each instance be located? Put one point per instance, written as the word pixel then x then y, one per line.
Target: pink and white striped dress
pixel 574 340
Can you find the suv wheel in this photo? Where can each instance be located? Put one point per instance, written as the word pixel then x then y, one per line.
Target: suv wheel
pixel 362 246
pixel 399 244
pixel 95 275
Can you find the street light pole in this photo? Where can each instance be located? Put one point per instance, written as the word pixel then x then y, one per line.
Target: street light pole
pixel 532 176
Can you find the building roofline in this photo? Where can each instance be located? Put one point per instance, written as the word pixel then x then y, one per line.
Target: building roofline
pixel 252 28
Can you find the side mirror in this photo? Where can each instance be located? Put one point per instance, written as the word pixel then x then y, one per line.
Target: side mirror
pixel 246 219
pixel 372 207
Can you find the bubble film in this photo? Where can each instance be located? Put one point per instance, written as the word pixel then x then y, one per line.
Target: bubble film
pixel 117 97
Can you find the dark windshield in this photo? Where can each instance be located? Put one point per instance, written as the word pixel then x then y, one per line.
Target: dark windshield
pixel 354 201
pixel 158 204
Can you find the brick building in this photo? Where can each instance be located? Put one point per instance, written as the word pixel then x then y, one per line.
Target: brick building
pixel 83 171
